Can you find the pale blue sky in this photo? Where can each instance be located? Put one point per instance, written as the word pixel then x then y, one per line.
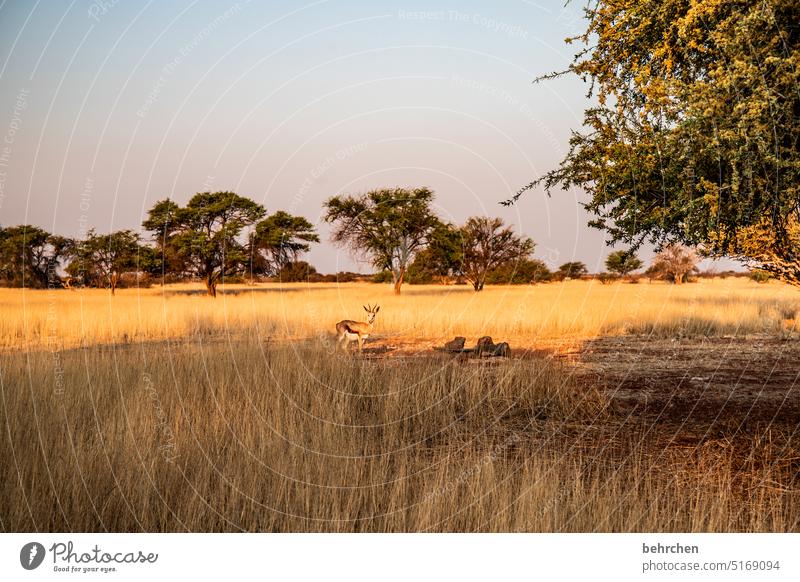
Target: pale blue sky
pixel 107 107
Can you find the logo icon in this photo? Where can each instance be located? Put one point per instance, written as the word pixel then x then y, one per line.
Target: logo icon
pixel 31 555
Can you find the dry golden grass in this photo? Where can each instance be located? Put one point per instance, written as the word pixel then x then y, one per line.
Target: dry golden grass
pixel 105 427
pixel 229 436
pixel 520 314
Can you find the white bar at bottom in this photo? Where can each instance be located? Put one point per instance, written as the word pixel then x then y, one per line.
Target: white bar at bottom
pixel 372 557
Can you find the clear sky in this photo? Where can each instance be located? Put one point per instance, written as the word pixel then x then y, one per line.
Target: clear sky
pixel 108 106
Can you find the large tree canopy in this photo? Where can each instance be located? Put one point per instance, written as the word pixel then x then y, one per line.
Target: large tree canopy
pixel 162 221
pixel 388 225
pixel 674 262
pixel 100 259
pixel 205 232
pixel 487 245
pixel 441 259
pixel 696 132
pixel 31 256
pixel 623 262
pixel 278 241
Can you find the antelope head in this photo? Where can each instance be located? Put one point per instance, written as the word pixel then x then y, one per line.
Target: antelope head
pixel 372 311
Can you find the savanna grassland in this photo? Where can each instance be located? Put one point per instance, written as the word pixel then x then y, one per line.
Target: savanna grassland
pixel 646 407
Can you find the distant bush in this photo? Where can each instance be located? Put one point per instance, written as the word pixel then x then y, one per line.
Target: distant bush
pixel 606 278
pixel 413 277
pixel 759 276
pixel 170 278
pixel 296 271
pixel 234 279
pixel 383 277
pixel 132 280
pixel 675 263
pixel 348 277
pixel 623 263
pixel 571 270
pixel 522 272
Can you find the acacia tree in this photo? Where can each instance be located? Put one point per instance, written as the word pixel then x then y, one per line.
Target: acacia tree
pixel 572 270
pixel 205 234
pixel 31 256
pixel 695 137
pixel 489 244
pixel 100 259
pixel 278 241
pixel 674 262
pixel 162 221
pixel 442 258
pixel 388 225
pixel 623 262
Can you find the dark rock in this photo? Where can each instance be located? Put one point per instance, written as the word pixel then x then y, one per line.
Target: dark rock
pixel 456 344
pixel 487 348
pixel 502 349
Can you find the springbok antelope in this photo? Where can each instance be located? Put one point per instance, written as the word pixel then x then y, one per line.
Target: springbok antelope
pixel 348 330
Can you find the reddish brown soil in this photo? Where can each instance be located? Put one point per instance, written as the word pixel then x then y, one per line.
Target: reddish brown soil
pixel 707 387
pixel 698 381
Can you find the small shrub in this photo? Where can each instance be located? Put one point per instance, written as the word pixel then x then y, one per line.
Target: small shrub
pixel 607 278
pixel 759 276
pixel 571 270
pixel 523 272
pixel 234 280
pixel 133 280
pixel 382 277
pixel 296 272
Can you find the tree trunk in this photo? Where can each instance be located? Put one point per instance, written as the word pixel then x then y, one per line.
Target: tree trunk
pixel 113 279
pixel 398 281
pixel 678 279
pixel 211 286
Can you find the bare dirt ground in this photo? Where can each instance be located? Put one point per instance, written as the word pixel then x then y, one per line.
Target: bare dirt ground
pixel 698 381
pixel 687 404
pixel 682 391
pixel 749 379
